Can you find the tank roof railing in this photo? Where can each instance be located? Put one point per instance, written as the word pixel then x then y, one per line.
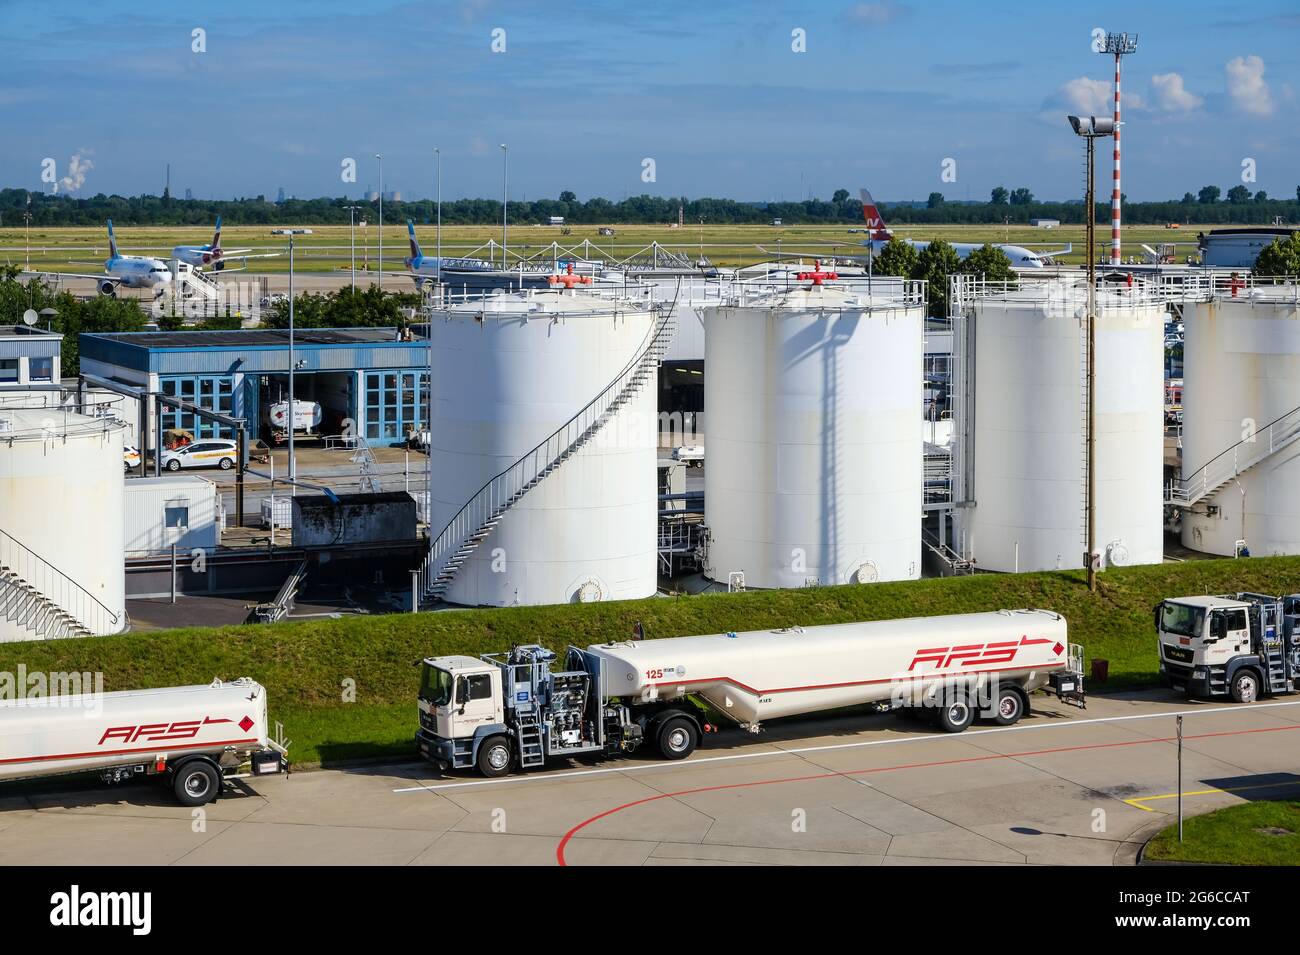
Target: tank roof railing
pixel 874 292
pixel 1158 289
pixel 56 421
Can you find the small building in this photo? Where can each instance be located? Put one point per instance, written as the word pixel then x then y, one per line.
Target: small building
pixel 556 220
pixel 1237 248
pixel 1045 223
pixel 776 222
pixel 29 355
pixel 371 377
pixel 319 521
pixel 173 510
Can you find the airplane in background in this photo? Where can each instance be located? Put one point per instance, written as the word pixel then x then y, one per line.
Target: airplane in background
pixel 879 236
pixel 212 254
pixel 426 268
pixel 127 271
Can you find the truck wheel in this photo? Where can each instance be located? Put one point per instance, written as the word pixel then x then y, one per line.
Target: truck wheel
pixel 494 757
pixel 677 738
pixel 196 783
pixel 1010 707
pixel 1245 687
pixel 956 713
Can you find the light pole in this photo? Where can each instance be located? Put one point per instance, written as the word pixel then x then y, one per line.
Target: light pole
pixel 293 409
pixel 381 220
pixel 505 206
pixel 438 233
pixel 1091 129
pixel 352 236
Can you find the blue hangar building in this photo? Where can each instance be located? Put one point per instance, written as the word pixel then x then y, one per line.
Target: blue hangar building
pixel 369 375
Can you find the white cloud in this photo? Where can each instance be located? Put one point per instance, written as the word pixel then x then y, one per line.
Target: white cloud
pixel 1247 87
pixel 1172 96
pixel 1089 97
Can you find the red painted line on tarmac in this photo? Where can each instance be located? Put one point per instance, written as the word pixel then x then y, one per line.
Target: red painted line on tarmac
pixel 564 842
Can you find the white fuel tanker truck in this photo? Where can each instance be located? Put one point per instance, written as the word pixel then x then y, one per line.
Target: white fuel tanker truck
pixel 192 737
pixel 518 709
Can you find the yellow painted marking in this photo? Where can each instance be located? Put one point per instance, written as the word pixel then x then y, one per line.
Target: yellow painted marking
pixel 1138 801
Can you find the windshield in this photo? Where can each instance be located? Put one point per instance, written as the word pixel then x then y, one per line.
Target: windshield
pixel 1183 620
pixel 435 686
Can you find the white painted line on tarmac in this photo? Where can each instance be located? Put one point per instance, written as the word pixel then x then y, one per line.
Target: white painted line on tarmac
pixel 861 744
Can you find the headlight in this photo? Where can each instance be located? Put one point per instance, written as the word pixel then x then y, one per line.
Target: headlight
pixel 1199 674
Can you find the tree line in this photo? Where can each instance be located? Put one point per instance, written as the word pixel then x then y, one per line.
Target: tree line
pixel 1015 206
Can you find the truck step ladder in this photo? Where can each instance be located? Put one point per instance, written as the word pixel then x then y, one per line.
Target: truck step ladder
pixel 530 741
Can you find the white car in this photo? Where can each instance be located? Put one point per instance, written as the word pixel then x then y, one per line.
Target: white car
pixel 204 453
pixel 130 458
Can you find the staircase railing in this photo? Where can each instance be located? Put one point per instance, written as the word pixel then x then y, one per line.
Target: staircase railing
pixel 88 612
pixel 475 520
pixel 1242 456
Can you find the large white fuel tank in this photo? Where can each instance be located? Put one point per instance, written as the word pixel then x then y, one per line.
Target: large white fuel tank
pixel 61 519
pixel 765 674
pixel 1241 399
pixel 508 372
pixel 48 735
pixel 814 468
pixel 1029 435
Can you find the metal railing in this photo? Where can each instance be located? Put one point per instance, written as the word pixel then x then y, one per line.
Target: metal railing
pixel 1242 456
pixel 84 613
pixel 474 521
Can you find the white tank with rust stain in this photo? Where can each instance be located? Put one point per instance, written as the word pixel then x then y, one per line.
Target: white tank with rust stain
pixel 1029 435
pixel 507 373
pixel 1241 373
pixel 814 458
pixel 61 513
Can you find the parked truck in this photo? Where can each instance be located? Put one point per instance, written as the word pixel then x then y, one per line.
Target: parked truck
pixel 192 737
pixel 1242 646
pixel 518 709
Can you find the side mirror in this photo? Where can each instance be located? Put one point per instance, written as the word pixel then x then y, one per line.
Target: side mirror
pixel 1218 626
pixel 462 692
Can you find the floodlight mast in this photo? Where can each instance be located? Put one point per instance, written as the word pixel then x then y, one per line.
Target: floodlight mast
pixel 1091 129
pixel 1118 45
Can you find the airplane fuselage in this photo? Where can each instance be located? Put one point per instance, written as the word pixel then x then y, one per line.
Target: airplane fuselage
pixel 1021 258
pixel 198 255
pixel 134 271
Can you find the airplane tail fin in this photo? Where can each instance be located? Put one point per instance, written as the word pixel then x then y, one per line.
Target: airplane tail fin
pixel 871 215
pixel 415 246
pixel 216 236
pixel 112 241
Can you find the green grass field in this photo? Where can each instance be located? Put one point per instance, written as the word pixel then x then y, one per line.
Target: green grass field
pixel 307 666
pixel 1252 833
pixel 327 249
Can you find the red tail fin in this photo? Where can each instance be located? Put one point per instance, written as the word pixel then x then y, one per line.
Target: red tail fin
pixel 871 215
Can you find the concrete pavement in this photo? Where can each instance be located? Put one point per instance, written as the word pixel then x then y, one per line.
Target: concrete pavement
pixel 1062 787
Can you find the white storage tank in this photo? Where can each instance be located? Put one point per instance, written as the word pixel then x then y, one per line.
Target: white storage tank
pixel 61 525
pixel 1241 411
pixel 508 372
pixel 813 471
pixel 1029 428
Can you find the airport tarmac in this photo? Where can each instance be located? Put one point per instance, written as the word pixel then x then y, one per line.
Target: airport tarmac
pixel 1062 787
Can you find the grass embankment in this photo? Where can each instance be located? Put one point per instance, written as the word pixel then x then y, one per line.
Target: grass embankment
pixel 306 666
pixel 1253 833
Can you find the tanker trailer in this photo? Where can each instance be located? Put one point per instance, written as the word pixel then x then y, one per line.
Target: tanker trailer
pixel 520 708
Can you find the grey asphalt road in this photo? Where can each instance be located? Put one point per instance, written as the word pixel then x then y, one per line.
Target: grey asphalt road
pixel 1062 787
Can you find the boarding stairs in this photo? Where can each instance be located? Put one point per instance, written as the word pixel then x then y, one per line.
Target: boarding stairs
pixel 1241 457
pixel 475 522
pixel 40 602
pixel 191 283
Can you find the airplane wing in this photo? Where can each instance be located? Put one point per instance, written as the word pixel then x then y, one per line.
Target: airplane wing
pixel 1069 247
pixel 72 275
pixel 245 254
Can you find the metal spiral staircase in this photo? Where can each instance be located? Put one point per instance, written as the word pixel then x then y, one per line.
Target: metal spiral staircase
pixel 1242 456
pixel 475 522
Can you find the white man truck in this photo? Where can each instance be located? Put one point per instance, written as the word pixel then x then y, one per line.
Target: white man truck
pixel 191 737
pixel 1242 646
pixel 520 708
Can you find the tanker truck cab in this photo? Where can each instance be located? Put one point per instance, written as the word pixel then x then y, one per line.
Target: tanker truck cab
pixel 460 706
pixel 1242 646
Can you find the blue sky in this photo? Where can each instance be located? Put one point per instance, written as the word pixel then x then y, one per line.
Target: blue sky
pixel 584 92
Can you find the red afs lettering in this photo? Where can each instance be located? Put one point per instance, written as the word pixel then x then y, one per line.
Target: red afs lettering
pixel 158 732
pixel 974 654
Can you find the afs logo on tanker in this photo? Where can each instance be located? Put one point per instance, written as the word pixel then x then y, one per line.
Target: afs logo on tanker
pixel 978 654
pixel 165 732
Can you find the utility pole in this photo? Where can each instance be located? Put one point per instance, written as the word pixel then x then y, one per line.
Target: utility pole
pixel 293 409
pixel 1091 129
pixel 381 221
pixel 505 207
pixel 1117 45
pixel 352 234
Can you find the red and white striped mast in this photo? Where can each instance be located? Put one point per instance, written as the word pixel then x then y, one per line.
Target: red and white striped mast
pixel 1118 45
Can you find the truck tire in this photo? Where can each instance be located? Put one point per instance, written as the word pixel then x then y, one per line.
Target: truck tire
pixel 955 713
pixel 196 783
pixel 677 738
pixel 1244 687
pixel 494 757
pixel 1009 707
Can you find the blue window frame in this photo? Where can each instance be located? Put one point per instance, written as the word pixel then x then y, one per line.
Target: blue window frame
pixel 206 391
pixel 395 404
